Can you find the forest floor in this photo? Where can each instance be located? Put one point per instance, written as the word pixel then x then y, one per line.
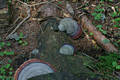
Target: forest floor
pixel 104 15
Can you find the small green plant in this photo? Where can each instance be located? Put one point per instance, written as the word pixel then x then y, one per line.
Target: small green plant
pixel 8 44
pixel 100 29
pixel 108 63
pixel 105 65
pixel 114 14
pixel 116 19
pixel 6 53
pixel 116 65
pixel 3 44
pixel 6 72
pixel 110 0
pixel 21 41
pixel 91 34
pixel 97 16
pixel 98 12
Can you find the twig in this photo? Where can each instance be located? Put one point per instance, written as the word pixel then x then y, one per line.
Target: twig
pixel 117 3
pixel 89 56
pixel 40 3
pixel 36 3
pixel 58 6
pixel 16 20
pixel 28 12
pixel 13 25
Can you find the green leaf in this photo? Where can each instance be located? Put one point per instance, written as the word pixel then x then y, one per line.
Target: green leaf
pixel 103 31
pixel 91 33
pixel 2 70
pixel 10 73
pixel 117 19
pixel 9 61
pixel 111 0
pixel 99 10
pixel 98 16
pixel 10 53
pixel 8 44
pixel 59 2
pixel 116 44
pixel 5 52
pixel 114 63
pixel 118 67
pixel 116 26
pixel 114 14
pixel 2 44
pixel 20 41
pixel 116 7
pixel 7 66
pixel 1 53
pixel 21 35
pixel 105 41
pixel 1 77
pixel 99 26
pixel 98 6
pixel 8 78
pixel 94 14
pixel 11 69
pixel 118 41
pixel 25 43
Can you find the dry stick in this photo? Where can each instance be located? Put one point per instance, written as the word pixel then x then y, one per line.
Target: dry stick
pixel 98 35
pixel 13 25
pixel 28 12
pixel 41 3
pixel 36 3
pixel 84 54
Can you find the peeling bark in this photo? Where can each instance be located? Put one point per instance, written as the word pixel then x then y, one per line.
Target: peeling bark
pixel 97 35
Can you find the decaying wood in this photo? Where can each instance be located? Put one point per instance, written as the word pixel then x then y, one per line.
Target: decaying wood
pixel 87 24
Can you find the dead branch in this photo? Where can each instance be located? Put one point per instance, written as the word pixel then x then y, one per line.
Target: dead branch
pixel 87 24
pixel 28 12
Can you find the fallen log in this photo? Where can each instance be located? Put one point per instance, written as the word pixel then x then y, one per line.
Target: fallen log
pixel 97 35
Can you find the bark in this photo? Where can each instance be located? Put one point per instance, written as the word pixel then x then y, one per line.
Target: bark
pixel 4 22
pixel 97 35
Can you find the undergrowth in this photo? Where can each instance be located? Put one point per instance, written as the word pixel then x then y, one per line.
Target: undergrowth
pixel 107 65
pixel 6 70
